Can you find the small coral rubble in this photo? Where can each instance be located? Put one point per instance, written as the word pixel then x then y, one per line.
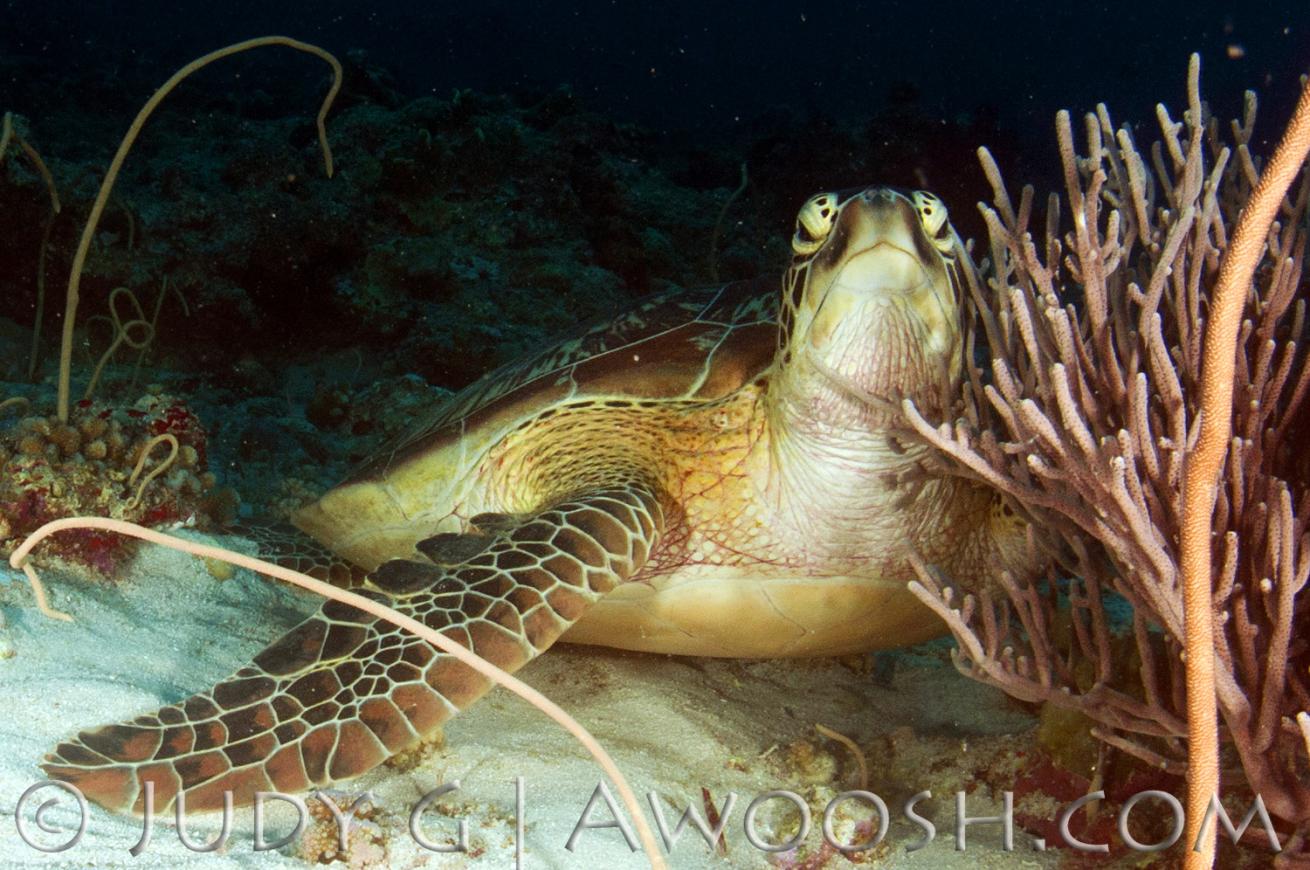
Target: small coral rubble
pixel 366 840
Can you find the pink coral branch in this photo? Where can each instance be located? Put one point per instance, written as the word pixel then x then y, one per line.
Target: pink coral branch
pixel 1240 259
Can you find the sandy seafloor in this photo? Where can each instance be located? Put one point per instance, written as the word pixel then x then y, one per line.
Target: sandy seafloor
pixel 170 627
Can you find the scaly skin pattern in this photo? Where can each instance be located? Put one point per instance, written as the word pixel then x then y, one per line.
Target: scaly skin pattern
pixel 715 473
pixel 342 692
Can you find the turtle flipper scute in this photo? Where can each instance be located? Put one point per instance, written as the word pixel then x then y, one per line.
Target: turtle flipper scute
pixel 343 691
pixel 285 545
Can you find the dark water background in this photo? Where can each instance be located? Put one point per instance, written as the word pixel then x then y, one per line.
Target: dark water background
pixel 479 211
pixel 704 67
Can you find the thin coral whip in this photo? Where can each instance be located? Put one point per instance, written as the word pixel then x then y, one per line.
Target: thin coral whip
pixel 1203 463
pixel 129 138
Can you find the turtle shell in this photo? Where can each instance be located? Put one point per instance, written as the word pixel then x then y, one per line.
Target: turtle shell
pixel 682 345
pixel 687 344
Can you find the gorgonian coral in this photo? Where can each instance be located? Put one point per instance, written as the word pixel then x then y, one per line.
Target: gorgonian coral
pixel 1093 326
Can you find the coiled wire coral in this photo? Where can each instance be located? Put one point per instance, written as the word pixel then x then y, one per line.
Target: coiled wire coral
pixel 105 460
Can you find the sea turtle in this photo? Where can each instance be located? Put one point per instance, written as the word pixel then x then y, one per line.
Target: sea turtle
pixel 716 472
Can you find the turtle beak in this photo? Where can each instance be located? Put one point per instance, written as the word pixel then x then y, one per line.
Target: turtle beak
pixel 883 269
pixel 885 253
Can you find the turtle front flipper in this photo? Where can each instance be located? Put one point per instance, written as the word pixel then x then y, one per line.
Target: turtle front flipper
pixel 284 544
pixel 343 691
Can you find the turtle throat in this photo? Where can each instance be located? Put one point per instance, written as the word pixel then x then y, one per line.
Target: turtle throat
pixel 854 377
pixel 837 442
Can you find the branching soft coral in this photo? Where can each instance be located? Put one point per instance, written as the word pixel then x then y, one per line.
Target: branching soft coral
pixel 1095 336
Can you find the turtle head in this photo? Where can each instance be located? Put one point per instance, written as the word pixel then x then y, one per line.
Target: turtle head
pixel 871 304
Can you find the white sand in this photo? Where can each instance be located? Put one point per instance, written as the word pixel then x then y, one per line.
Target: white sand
pixel 168 628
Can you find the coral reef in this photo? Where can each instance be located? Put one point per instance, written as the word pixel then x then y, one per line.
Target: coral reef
pixel 146 462
pixel 458 231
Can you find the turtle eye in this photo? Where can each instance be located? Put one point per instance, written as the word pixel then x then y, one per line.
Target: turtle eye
pixel 814 223
pixel 932 214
